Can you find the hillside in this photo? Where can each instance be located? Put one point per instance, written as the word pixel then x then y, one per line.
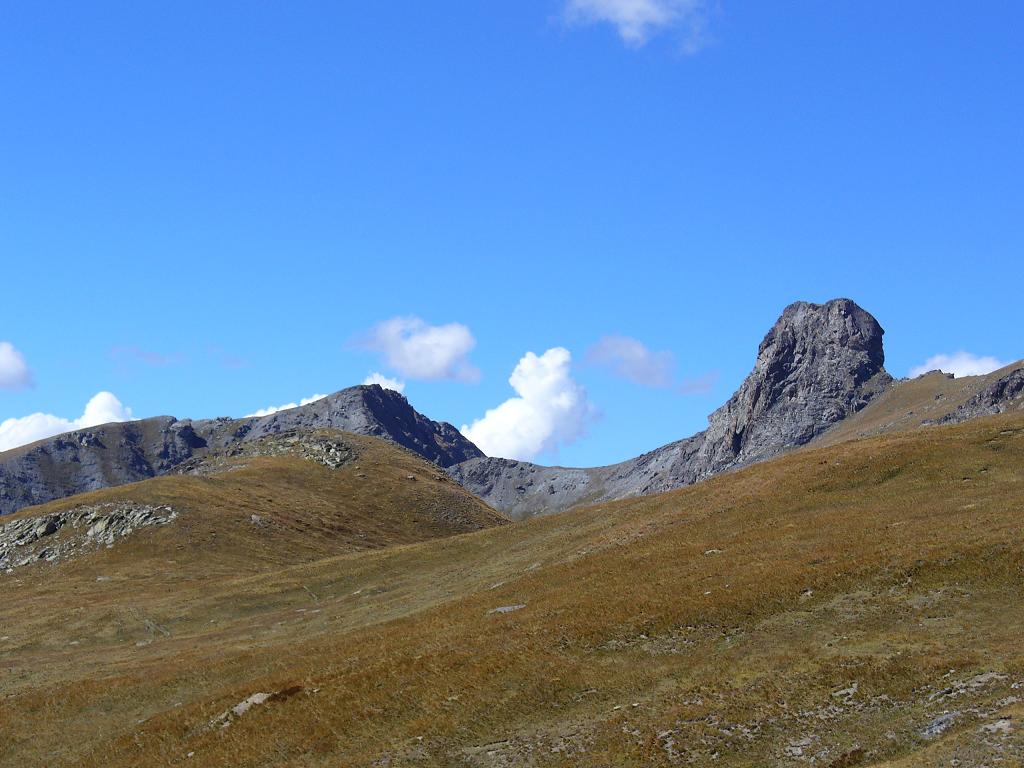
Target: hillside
pixel 819 379
pixel 283 499
pixel 934 398
pixel 850 605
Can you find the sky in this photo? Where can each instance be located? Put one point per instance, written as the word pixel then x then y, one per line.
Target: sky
pixel 561 225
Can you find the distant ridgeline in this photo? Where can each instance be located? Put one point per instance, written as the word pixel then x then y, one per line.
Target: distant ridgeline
pixel 820 371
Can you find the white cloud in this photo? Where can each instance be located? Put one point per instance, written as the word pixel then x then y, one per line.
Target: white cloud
pixel 14 371
pixel 384 381
pixel 959 364
pixel 421 351
pixel 631 359
pixel 638 20
pixel 103 408
pixel 551 409
pixel 275 408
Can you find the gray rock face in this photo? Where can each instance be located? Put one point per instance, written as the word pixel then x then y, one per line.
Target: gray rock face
pixel 818 364
pixel 59 536
pixel 522 489
pixel 377 412
pixel 114 454
pixel 1005 394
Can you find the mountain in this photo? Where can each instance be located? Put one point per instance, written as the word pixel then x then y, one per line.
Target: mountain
pixel 114 454
pixel 847 605
pixel 818 365
pixel 276 500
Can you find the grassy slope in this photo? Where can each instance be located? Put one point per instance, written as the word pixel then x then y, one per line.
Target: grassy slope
pixel 308 511
pixel 908 404
pixel 724 622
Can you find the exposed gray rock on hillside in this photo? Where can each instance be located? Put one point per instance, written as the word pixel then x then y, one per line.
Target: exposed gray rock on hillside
pixel 523 488
pixel 114 454
pixel 61 535
pixel 377 412
pixel 818 364
pixel 1004 394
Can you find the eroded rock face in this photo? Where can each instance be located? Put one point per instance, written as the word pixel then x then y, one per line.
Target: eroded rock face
pixel 521 489
pixel 377 412
pixel 1005 394
pixel 818 364
pixel 58 536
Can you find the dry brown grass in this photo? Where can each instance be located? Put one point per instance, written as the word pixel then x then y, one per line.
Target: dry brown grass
pixel 727 622
pixel 909 404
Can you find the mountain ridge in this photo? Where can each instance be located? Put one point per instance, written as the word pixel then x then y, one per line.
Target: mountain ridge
pixel 126 452
pixel 818 364
pixel 817 368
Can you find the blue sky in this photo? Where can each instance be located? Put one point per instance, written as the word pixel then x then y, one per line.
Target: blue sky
pixel 211 208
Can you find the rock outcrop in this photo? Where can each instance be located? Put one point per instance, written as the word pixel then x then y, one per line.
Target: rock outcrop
pixel 818 364
pixel 115 454
pixel 58 536
pixel 1004 394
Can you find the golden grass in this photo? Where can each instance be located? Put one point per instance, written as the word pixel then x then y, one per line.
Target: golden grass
pixel 909 404
pixel 830 603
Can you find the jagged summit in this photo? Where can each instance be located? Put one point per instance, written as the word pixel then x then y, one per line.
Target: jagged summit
pixel 369 409
pixel 818 364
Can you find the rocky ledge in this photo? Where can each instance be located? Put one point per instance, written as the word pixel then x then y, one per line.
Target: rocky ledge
pixel 1004 394
pixel 330 451
pixel 59 536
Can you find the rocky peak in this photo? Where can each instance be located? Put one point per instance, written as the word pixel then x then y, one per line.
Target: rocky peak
pixel 114 454
pixel 818 364
pixel 369 409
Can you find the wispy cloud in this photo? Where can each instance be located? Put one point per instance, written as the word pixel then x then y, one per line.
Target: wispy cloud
pixel 103 408
pixel 275 408
pixel 959 364
pixel 225 358
pixel 417 350
pixel 637 21
pixel 14 371
pixel 630 359
pixel 550 409
pixel 384 381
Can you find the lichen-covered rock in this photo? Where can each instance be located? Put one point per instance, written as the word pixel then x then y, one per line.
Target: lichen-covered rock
pixel 329 450
pixel 60 535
